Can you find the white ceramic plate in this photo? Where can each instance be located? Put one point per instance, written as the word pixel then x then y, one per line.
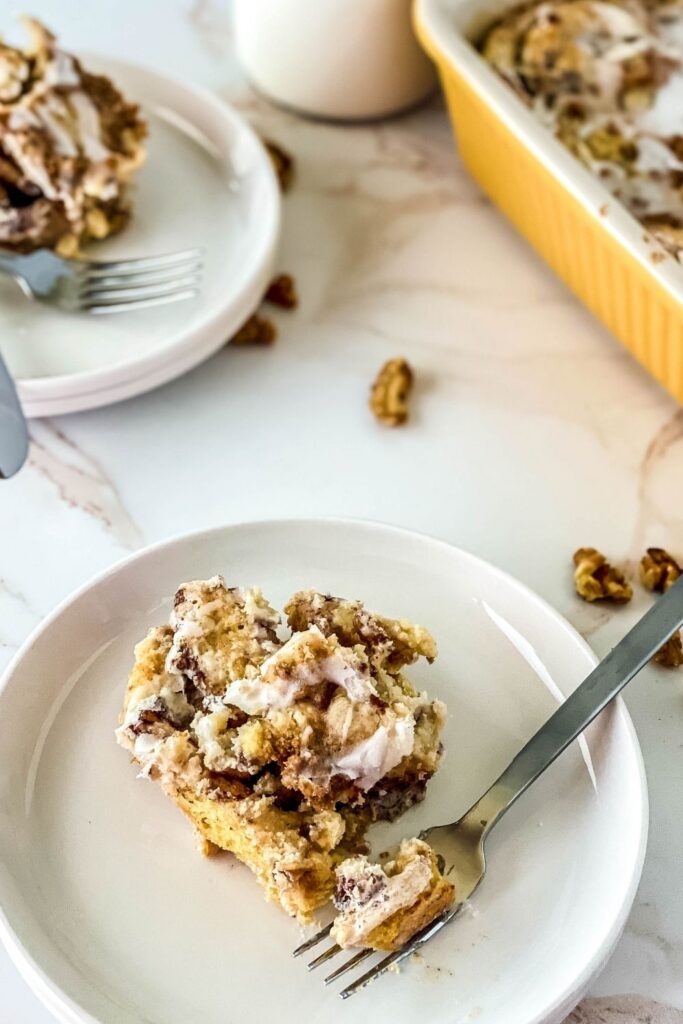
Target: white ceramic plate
pixel 112 915
pixel 207 182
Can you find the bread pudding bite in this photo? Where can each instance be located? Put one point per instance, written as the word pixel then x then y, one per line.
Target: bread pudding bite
pixel 383 907
pixel 282 749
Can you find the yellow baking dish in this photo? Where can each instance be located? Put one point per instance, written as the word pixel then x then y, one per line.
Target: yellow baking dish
pixel 586 235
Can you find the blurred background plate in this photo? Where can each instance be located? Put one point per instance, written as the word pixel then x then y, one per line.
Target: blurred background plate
pixel 207 182
pixel 111 914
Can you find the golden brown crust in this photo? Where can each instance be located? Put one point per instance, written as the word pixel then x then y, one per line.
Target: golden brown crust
pixel 396 931
pixel 391 643
pixel 220 633
pixel 296 871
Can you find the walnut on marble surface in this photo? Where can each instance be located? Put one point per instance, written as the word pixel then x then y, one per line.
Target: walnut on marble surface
pixel 658 570
pixel 282 162
pixel 390 391
pixel 282 292
pixel 671 654
pixel 596 580
pixel 258 330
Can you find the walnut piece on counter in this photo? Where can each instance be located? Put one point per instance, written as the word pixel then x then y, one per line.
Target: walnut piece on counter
pixel 671 654
pixel 389 394
pixel 258 330
pixel 658 570
pixel 282 292
pixel 282 162
pixel 596 580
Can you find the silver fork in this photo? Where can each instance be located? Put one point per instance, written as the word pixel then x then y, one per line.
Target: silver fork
pixel 110 286
pixel 460 846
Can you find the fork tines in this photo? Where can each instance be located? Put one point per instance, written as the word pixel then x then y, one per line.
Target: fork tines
pixel 106 287
pixel 380 968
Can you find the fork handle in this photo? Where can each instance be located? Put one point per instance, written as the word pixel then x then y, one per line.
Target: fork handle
pixel 579 709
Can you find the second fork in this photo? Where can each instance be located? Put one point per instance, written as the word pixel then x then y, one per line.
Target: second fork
pixel 101 287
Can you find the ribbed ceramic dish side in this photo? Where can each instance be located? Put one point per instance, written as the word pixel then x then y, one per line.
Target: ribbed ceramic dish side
pixel 608 278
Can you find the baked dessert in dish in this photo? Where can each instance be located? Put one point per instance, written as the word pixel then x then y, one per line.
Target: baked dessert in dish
pixel 69 145
pixel 383 907
pixel 282 749
pixel 607 77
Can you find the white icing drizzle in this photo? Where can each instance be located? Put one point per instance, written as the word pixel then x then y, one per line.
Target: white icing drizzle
pixel 61 71
pixel 89 126
pixel 371 759
pixel 286 675
pixel 613 35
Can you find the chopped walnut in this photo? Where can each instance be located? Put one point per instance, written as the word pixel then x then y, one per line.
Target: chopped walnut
pixel 282 292
pixel 389 395
pixel 658 570
pixel 256 331
pixel 671 654
pixel 595 579
pixel 282 162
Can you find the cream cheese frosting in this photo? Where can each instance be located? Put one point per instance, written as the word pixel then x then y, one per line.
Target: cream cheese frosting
pixel 370 760
pixel 305 661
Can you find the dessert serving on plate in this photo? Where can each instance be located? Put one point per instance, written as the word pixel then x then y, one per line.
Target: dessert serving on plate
pixel 69 145
pixel 607 78
pixel 284 749
pixel 383 907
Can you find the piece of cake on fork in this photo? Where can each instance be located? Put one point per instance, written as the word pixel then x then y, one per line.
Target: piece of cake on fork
pixel 381 907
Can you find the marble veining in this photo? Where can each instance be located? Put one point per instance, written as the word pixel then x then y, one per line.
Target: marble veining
pixel 533 431
pixel 624 1010
pixel 80 481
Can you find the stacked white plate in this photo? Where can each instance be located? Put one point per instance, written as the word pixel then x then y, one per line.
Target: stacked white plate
pixel 113 917
pixel 208 182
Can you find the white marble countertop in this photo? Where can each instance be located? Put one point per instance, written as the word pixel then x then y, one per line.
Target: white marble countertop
pixel 533 430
